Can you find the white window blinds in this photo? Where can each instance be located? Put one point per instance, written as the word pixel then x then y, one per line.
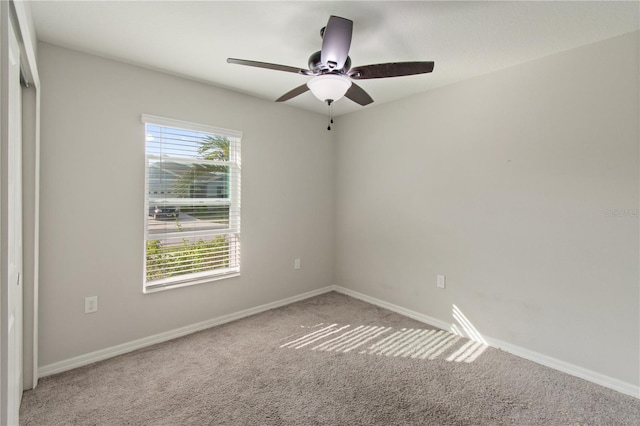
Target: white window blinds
pixel 192 203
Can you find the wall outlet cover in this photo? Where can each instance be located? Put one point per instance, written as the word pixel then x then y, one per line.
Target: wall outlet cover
pixel 90 304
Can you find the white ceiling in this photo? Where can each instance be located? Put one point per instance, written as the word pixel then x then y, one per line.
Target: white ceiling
pixel 194 39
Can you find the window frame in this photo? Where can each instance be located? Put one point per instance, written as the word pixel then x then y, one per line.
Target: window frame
pixel 233 229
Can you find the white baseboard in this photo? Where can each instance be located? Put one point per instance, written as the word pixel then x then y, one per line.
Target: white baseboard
pixel 102 354
pixel 565 367
pixel 395 308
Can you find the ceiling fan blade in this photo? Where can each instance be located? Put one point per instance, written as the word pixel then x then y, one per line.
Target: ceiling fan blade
pixel 336 41
pixel 358 95
pixel 293 93
pixel 391 69
pixel 269 66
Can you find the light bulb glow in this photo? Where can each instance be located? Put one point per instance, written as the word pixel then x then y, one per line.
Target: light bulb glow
pixel 329 87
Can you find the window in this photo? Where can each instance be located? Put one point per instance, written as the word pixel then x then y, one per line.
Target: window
pixel 192 203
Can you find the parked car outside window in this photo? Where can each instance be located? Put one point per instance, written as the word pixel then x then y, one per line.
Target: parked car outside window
pixel 168 212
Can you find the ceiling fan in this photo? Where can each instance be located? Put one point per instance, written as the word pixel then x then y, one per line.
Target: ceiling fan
pixel 331 68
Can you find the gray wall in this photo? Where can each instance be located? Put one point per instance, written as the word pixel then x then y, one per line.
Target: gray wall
pixel 521 187
pixel 92 194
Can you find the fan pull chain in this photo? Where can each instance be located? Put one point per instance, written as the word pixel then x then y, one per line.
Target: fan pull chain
pixel 330 104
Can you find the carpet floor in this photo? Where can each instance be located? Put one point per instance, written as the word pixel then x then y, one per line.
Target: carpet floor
pixel 328 360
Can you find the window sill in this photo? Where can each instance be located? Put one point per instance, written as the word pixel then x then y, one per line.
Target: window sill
pixel 204 280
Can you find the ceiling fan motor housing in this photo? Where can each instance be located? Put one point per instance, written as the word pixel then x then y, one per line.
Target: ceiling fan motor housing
pixel 317 67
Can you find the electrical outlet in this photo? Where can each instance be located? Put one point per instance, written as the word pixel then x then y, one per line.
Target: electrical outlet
pixel 442 281
pixel 90 304
pixel 296 263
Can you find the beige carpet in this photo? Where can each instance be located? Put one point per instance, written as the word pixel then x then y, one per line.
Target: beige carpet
pixel 329 360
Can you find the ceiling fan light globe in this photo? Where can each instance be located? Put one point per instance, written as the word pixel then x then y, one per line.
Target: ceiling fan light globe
pixel 329 87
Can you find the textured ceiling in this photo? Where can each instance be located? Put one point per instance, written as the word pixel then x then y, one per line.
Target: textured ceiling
pixel 193 39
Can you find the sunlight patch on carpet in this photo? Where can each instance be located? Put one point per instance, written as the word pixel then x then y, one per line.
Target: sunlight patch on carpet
pixel 385 341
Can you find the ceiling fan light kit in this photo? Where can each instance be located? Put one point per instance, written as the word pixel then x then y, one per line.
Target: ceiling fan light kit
pixel 329 87
pixel 331 68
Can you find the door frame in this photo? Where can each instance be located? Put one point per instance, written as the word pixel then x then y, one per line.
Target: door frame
pixel 19 14
pixel 11 273
pixel 31 188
